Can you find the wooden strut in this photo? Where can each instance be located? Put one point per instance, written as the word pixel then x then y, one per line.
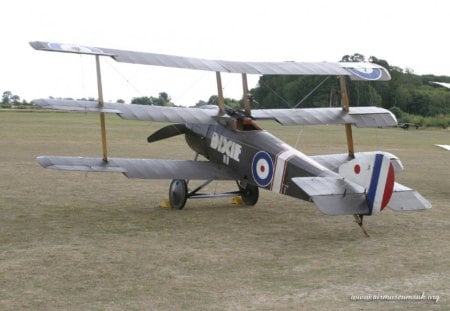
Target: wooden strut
pixel 246 100
pixel 346 107
pixel 221 100
pixel 101 105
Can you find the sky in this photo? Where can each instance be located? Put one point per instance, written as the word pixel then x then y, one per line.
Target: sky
pixel 408 34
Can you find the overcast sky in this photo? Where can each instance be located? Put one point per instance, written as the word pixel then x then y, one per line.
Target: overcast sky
pixel 413 34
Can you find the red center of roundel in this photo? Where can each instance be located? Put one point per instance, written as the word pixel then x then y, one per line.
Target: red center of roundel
pixel 357 169
pixel 262 168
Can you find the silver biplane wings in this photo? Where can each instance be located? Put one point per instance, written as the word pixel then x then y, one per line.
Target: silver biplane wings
pixel 142 168
pixel 356 71
pixel 359 116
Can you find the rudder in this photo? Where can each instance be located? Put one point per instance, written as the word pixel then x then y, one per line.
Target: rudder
pixel 376 174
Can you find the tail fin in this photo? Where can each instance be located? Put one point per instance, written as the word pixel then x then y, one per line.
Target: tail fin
pixel 375 173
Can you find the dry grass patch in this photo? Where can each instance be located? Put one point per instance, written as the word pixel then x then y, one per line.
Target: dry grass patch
pixel 101 241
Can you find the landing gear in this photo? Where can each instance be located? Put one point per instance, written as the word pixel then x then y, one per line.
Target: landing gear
pixel 249 193
pixel 359 221
pixel 178 193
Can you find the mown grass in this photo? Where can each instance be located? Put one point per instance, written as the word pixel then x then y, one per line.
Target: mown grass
pixel 80 241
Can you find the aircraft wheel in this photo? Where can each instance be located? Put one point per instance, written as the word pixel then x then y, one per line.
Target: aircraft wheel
pixel 178 193
pixel 250 194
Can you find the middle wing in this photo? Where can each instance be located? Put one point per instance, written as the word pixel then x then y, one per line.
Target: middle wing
pixel 359 116
pixel 135 112
pixel 142 168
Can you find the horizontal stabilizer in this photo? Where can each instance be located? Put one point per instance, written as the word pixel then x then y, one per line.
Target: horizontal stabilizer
pixel 356 71
pixel 407 199
pixel 142 168
pixel 334 195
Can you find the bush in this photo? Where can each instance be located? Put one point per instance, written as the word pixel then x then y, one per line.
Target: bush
pixel 439 121
pixel 398 113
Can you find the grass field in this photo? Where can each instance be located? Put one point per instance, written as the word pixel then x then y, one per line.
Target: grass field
pixel 78 241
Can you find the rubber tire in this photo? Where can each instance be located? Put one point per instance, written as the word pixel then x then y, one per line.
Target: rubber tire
pixel 250 194
pixel 178 193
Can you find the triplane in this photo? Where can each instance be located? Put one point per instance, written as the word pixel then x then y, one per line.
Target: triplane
pixel 358 184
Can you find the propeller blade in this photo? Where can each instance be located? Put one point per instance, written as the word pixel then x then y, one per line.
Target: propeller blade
pixel 167 132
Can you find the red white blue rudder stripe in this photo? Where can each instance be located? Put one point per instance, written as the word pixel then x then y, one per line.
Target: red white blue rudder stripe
pixel 375 173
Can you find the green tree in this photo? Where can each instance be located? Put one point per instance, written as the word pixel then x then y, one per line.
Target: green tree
pixel 6 97
pixel 162 100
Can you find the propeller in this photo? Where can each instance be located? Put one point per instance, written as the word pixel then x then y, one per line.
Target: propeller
pixel 167 132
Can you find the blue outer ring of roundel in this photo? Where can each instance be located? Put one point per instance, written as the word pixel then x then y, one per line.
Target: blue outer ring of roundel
pixel 262 182
pixel 375 74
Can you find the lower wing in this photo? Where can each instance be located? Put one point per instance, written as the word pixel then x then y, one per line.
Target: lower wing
pixel 142 168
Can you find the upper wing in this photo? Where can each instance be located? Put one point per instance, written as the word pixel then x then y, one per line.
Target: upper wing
pixel 142 168
pixel 356 71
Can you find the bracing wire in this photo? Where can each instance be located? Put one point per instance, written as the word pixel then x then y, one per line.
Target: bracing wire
pixel 312 91
pixel 124 77
pixel 189 87
pixel 275 93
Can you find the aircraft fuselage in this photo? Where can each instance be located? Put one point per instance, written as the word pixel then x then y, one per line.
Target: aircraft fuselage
pixel 259 157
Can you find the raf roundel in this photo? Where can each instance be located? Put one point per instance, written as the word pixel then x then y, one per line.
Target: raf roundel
pixel 74 48
pixel 262 168
pixel 367 73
